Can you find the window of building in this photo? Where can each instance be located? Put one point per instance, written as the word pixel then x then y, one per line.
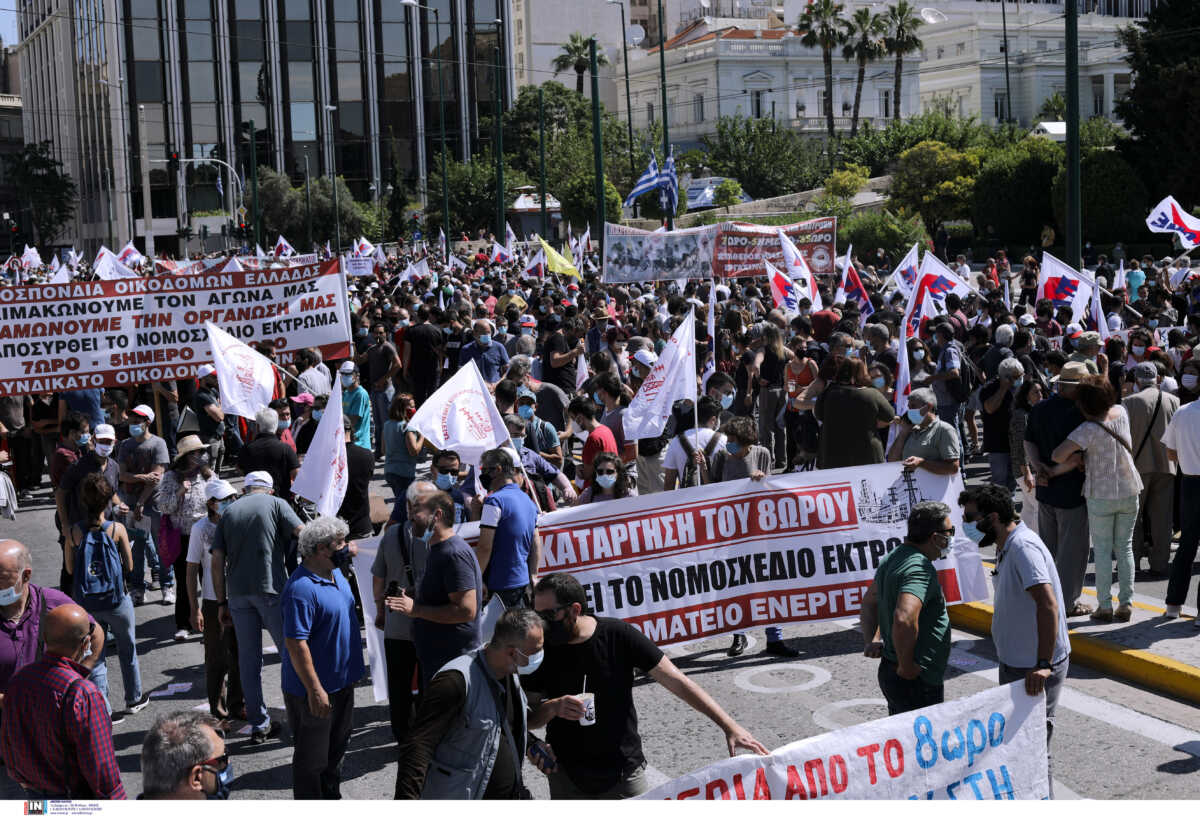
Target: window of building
pixel 145 41
pixel 346 12
pixel 756 103
pixel 941 52
pixel 349 81
pixel 346 40
pixel 199 40
pixel 649 113
pixel 298 41
pixel 1041 45
pixel 204 123
pixel 252 75
pixel 201 83
pixel 148 81
pixel 197 9
pixel 960 48
pixel 304 122
pixel 249 40
pixel 300 82
pixel 1000 106
pixel 885 102
pixel 248 9
pixel 698 107
pixel 296 9
pixel 820 102
pixel 395 41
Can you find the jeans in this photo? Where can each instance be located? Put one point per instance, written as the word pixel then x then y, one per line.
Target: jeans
pixel 250 614
pixel 1065 533
pixel 1154 515
pixel 1054 684
pixel 1189 539
pixel 401 656
pixel 1111 524
pixel 141 536
pixel 907 695
pixel 399 486
pixel 380 402
pixel 771 400
pixel 122 623
pixel 320 744
pixel 628 786
pixel 515 597
pixel 223 679
pixel 1000 465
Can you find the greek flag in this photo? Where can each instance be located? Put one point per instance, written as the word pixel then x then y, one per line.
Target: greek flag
pixel 648 181
pixel 220 188
pixel 668 183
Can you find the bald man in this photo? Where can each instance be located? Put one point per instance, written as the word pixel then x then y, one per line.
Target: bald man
pixel 59 745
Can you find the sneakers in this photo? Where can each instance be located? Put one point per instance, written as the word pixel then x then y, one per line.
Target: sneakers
pixel 181 635
pixel 117 716
pixel 153 586
pixel 139 598
pixel 259 737
pixel 1103 615
pixel 1123 614
pixel 139 704
pixel 1173 611
pixel 781 649
pixel 168 595
pixel 738 646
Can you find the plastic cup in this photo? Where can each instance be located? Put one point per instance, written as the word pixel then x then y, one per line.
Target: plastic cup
pixel 589 708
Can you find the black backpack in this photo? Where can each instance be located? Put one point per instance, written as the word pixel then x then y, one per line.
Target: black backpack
pixel 969 376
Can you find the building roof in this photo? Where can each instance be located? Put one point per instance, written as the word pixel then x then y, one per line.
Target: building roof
pixel 1055 131
pixel 529 202
pixel 690 35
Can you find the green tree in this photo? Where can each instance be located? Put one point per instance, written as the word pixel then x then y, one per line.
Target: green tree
pixel 1160 108
pixel 693 162
pixel 576 56
pixel 1012 199
pixel 903 22
pixel 1113 196
pixel 728 193
pixel 767 161
pixel 472 192
pixel 1101 132
pixel 43 189
pixel 578 198
pixel 864 34
pixel 935 181
pixel 877 149
pixel 821 24
pixel 280 206
pixel 1053 109
pixel 846 182
pixel 869 231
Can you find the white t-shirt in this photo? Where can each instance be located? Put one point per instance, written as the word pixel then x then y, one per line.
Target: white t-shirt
pixel 676 459
pixel 198 553
pixel 1182 435
pixel 1024 562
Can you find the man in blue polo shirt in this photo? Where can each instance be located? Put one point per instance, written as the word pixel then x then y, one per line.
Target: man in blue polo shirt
pixel 509 548
pixel 323 660
pixel 491 357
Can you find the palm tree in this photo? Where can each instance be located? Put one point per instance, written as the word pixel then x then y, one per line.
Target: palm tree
pixel 1054 108
pixel 576 55
pixel 821 25
pixel 864 33
pixel 903 20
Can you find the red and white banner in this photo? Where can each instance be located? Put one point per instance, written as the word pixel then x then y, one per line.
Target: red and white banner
pixel 741 248
pixel 135 330
pixel 989 746
pixel 690 564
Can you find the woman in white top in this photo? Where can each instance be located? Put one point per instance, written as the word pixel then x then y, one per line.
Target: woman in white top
pixel 1111 488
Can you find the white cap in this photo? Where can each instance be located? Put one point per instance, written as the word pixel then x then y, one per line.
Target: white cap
pixel 205 370
pixel 104 431
pixel 219 489
pixel 144 411
pixel 646 357
pixel 347 368
pixel 258 478
pixel 1026 320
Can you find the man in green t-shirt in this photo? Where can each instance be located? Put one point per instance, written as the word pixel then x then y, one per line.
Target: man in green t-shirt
pixel 903 617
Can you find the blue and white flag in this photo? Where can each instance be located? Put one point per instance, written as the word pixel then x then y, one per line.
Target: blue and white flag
pixel 668 184
pixel 220 188
pixel 647 182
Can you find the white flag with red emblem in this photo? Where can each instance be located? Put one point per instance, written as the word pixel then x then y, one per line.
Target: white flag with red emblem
pixel 283 249
pixel 325 472
pixel 246 378
pixel 461 416
pixel 129 255
pixel 796 268
pixel 672 378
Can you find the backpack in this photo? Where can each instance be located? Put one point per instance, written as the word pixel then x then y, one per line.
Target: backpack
pixel 969 376
pixel 99 575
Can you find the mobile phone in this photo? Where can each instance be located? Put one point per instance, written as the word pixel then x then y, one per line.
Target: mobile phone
pixel 393 590
pixel 538 750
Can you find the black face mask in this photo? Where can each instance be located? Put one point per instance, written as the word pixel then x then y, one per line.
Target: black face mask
pixel 340 558
pixel 557 632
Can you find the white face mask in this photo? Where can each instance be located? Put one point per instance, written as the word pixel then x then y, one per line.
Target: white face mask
pixel 104 448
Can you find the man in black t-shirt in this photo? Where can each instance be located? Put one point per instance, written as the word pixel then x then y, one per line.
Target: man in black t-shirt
pixel 997 399
pixel 356 505
pixel 563 348
pixel 603 760
pixel 423 350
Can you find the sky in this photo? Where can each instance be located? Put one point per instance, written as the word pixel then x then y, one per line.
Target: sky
pixel 8 25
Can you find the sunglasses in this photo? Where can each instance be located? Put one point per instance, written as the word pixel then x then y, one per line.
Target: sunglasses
pixel 550 614
pixel 219 763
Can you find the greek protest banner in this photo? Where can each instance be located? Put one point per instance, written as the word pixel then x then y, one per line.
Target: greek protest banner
pixel 62 337
pixel 741 247
pixel 637 255
pixel 690 564
pixel 991 745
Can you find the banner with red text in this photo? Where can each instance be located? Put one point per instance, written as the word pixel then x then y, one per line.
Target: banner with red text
pixel 989 746
pixel 741 247
pixel 62 337
pixel 690 564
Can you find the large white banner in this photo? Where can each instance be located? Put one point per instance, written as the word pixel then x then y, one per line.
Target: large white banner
pixel 63 337
pixel 989 746
pixel 690 564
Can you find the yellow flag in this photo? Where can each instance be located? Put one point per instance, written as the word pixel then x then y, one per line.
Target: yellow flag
pixel 557 263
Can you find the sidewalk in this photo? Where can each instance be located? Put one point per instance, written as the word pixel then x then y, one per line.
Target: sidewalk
pixel 1149 650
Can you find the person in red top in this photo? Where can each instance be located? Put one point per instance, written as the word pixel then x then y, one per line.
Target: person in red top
pixel 583 412
pixel 56 741
pixel 824 321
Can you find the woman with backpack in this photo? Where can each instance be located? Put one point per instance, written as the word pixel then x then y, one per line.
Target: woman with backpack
pixel 98 558
pixel 182 502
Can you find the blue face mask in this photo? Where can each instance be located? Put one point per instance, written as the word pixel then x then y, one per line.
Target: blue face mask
pixel 447 330
pixel 878 382
pixel 284 424
pixel 360 332
pixel 525 412
pixel 318 413
pixel 1152 323
pixel 726 401
pixel 9 595
pixel 972 531
pixel 606 480
pixel 484 340
pixel 596 397
pixel 916 416
pixel 444 481
pixel 347 380
pixel 136 430
pixel 734 448
pixel 918 354
pixel 535 660
pixel 224 781
pixel 1018 382
pixel 518 444
pixel 84 439
pixel 223 505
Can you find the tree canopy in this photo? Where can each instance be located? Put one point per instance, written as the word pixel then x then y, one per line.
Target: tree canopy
pixel 44 189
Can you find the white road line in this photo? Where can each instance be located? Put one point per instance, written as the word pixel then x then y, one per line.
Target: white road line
pixel 655 777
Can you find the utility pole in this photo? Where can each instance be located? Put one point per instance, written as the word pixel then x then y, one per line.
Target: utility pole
pixel 1074 237
pixel 254 186
pixel 633 175
pixel 597 149
pixel 499 146
pixel 307 201
pixel 144 161
pixel 662 78
pixel 545 230
pixel 1007 78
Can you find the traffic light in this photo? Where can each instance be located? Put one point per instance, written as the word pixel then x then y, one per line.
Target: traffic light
pixel 173 161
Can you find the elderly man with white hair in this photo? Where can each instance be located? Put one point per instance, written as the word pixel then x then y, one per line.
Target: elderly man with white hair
pixel 924 440
pixel 270 453
pixel 323 660
pixel 248 550
pixel 997 400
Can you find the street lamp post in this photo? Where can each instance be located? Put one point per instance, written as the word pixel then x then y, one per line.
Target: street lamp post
pixel 437 33
pixel 1007 78
pixel 662 78
pixel 628 106
pixel 597 151
pixel 499 149
pixel 307 200
pixel 1074 217
pixel 337 212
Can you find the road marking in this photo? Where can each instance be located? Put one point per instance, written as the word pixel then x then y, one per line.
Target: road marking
pixel 819 678
pixel 821 715
pixel 655 777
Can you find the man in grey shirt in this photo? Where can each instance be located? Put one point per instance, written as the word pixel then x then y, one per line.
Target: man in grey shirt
pixel 143 459
pixel 398 566
pixel 248 550
pixel 1029 626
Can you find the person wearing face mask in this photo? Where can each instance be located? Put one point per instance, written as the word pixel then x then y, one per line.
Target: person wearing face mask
pixel 270 453
pixel 38 751
pixel 220 642
pixel 323 660
pixel 540 435
pixel 489 355
pixel 304 436
pixel 997 399
pixel 509 548
pixel 355 508
pixel 73 437
pixel 97 459
pixel 475 708
pixel 1150 410
pixel 381 363
pixel 1189 381
pixel 206 404
pixel 925 441
pixel 143 459
pixel 903 618
pixel 184 757
pixel 851 411
pixel 603 760
pixel 445 608
pixel 182 502
pixel 356 405
pixel 1029 627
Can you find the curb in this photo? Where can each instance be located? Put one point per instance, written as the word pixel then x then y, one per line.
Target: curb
pixel 1135 665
